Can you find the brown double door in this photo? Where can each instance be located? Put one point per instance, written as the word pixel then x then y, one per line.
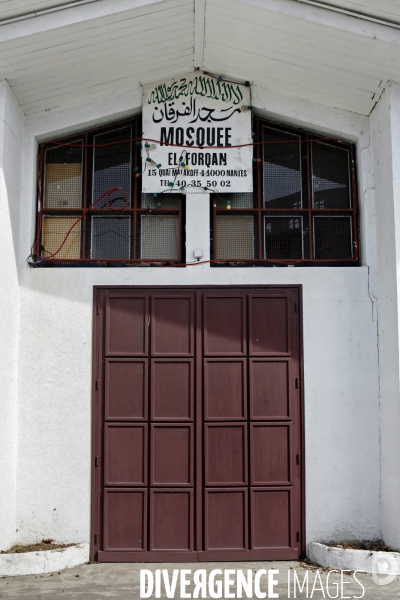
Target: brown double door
pixel 197 424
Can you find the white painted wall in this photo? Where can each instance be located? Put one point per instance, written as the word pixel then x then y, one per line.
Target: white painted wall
pixel 341 395
pixel 340 340
pixel 390 411
pixel 11 135
pixel 385 136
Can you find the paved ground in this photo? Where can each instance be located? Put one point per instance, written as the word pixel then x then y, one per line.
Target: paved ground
pixel 121 582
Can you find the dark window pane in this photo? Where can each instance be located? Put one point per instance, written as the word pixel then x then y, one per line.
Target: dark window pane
pixel 281 169
pixel 283 237
pixel 330 176
pixel 111 237
pixel 333 237
pixel 112 167
pixel 63 176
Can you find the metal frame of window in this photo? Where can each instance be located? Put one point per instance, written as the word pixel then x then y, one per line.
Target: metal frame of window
pixel 134 211
pixel 308 212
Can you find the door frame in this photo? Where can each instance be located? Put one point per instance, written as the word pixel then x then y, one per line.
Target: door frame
pixel 98 316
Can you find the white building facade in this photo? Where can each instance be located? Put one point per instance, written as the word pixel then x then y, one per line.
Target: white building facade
pixel 324 69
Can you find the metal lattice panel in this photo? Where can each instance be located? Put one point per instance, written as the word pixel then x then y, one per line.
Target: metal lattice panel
pixel 283 237
pixel 303 208
pixel 112 166
pixel 330 176
pixel 110 237
pixel 281 170
pixel 159 237
pixel 91 207
pixel 55 240
pixel 63 176
pixel 333 236
pixel 235 235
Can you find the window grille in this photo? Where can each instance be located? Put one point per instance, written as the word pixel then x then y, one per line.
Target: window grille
pixel 303 209
pixel 91 208
pixel 235 235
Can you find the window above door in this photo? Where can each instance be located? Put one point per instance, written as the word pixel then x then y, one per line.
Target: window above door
pixel 90 205
pixel 303 209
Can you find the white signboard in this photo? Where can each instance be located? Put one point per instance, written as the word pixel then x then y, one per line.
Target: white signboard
pixel 193 126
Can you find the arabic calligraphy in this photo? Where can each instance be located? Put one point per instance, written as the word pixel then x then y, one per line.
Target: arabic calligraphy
pixel 171 113
pixel 207 87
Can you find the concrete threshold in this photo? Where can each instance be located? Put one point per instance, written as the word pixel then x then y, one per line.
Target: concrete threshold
pixel 122 581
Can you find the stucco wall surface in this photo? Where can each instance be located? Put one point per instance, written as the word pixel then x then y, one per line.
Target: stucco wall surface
pixel 341 408
pixel 11 135
pixel 385 136
pixel 55 353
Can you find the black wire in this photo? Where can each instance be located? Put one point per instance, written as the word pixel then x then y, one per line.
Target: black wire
pixel 172 187
pixel 220 78
pixel 216 194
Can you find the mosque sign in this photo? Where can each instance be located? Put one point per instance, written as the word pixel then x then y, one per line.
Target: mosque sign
pixel 197 134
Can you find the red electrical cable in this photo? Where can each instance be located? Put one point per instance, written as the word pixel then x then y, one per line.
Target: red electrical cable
pixel 139 139
pixel 106 194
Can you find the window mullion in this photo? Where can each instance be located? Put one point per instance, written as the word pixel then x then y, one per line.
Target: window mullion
pixel 354 203
pixel 136 190
pixel 260 191
pixel 85 196
pixel 309 198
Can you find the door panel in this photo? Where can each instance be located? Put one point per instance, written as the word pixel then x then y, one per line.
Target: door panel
pixel 225 389
pixel 126 389
pixel 172 389
pixel 171 522
pixel 224 326
pixel 269 389
pixel 197 424
pixel 225 447
pixel 270 451
pixel 125 454
pixel 269 326
pixel 172 454
pixel 226 519
pixel 271 511
pixel 125 519
pixel 127 326
pixel 172 326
